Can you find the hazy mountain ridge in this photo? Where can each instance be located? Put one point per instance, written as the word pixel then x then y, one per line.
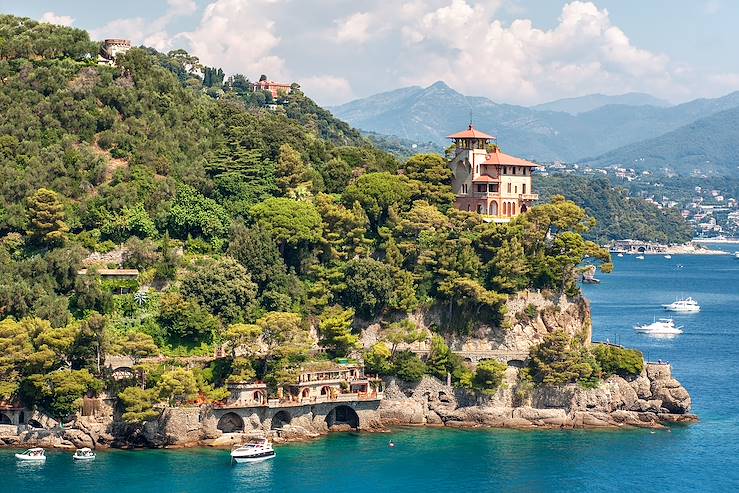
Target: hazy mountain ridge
pixel 591 102
pixel 429 114
pixel 705 146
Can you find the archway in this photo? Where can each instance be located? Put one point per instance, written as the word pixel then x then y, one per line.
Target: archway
pixel 524 208
pixel 5 419
pixel 305 393
pixel 231 423
pixel 280 419
pixel 342 415
pixel 516 363
pixel 494 208
pixel 34 424
pixel 513 208
pixel 259 397
pixel 326 391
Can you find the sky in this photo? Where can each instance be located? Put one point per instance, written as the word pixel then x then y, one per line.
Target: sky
pixel 512 51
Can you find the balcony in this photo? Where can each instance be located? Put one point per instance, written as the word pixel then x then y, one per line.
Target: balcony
pixel 528 196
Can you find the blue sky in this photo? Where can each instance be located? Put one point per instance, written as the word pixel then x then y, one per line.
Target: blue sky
pixel 513 51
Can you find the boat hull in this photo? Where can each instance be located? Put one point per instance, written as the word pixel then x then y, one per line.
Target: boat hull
pixel 82 459
pixel 254 458
pixel 29 458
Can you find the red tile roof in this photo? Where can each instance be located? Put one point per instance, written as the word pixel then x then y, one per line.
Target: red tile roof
pixel 471 133
pixel 498 158
pixel 485 179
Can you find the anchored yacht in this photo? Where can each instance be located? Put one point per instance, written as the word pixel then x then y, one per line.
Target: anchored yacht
pixel 684 305
pixel 84 454
pixel 660 327
pixel 257 450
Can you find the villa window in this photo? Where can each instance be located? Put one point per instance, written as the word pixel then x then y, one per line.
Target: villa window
pixel 509 188
pixel 515 189
pixel 523 188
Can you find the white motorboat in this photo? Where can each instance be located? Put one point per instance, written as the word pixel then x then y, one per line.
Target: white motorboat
pixel 660 327
pixel 736 255
pixel 32 454
pixel 257 450
pixel 620 255
pixel 84 454
pixel 640 257
pixel 684 305
pixel 668 256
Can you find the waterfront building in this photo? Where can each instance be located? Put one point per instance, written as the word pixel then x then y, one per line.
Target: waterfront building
pixel 488 181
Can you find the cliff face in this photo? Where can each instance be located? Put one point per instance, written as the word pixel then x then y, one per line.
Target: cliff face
pixel 649 400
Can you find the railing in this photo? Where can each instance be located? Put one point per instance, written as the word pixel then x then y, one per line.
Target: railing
pixel 529 196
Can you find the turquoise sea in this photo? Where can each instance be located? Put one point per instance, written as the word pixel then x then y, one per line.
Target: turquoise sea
pixel 698 458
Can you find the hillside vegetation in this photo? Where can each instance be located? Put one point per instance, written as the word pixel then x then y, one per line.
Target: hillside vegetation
pixel 249 227
pixel 618 216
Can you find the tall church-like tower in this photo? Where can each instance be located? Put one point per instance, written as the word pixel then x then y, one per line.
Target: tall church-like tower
pixel 488 182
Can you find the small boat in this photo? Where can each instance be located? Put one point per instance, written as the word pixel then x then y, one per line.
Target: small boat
pixel 736 255
pixel 257 450
pixel 684 305
pixel 640 257
pixel 84 454
pixel 660 327
pixel 668 256
pixel 32 454
pixel 620 255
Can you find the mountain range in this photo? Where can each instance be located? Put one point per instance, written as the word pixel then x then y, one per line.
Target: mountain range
pixel 607 134
pixel 591 102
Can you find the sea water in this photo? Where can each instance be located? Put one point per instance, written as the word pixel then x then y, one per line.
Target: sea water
pixel 696 458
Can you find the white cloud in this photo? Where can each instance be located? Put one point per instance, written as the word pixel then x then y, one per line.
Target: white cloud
pixel 584 52
pixel 327 89
pixel 354 28
pixel 239 36
pixel 53 18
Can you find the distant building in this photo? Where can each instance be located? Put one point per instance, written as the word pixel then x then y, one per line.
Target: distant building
pixel 488 181
pixel 277 89
pixel 111 48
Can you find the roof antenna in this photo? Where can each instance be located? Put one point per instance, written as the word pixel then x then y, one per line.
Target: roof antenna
pixel 470 127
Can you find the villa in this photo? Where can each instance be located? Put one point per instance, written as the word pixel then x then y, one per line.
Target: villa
pixel 487 181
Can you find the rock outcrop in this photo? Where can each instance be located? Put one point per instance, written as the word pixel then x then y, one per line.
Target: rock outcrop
pixel 651 400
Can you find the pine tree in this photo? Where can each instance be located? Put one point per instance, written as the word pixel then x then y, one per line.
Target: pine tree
pixel 46 214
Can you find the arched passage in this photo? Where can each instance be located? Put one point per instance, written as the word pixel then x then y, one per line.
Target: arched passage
pixel 5 419
pixel 524 208
pixel 326 391
pixel 280 419
pixel 259 397
pixel 342 415
pixel 231 423
pixel 516 363
pixel 494 208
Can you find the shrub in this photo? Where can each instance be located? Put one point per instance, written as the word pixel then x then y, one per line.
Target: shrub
pixel 408 366
pixel 561 359
pixel 488 376
pixel 619 361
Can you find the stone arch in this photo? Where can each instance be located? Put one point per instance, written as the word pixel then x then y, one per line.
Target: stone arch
pixel 5 419
pixel 468 360
pixel 494 208
pixel 231 423
pixel 343 415
pixel 513 208
pixel 305 393
pixel 516 363
pixel 326 390
pixel 123 373
pixel 642 249
pixel 280 419
pixel 443 397
pixel 524 208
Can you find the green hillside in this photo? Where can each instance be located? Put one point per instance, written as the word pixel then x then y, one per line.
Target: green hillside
pixel 707 146
pixel 618 216
pixel 249 224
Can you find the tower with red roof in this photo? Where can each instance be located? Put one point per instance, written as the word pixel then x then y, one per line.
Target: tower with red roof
pixel 487 181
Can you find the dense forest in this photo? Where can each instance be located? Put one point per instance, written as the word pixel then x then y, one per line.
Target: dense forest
pixel 252 227
pixel 618 215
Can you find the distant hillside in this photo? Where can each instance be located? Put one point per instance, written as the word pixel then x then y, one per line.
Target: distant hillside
pixel 429 114
pixel 619 216
pixel 707 146
pixel 591 102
